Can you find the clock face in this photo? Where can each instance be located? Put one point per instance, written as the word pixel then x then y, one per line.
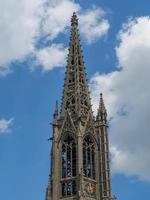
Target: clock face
pixel 89 188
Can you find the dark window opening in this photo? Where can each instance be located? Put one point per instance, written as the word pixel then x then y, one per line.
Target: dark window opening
pixel 67 103
pixel 73 49
pixel 85 103
pixel 73 101
pixel 71 78
pixel 68 166
pixel 79 62
pixel 68 157
pixel 68 188
pixel 72 62
pixel 88 158
pixel 83 100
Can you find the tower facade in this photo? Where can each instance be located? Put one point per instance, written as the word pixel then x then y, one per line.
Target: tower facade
pixel 80 148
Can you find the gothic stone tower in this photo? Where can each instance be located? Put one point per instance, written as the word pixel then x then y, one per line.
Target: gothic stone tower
pixel 80 150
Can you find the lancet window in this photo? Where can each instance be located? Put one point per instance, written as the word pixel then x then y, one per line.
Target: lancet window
pixel 68 156
pixel 88 157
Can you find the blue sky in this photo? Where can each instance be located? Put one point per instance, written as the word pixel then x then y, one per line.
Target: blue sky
pixel 115 37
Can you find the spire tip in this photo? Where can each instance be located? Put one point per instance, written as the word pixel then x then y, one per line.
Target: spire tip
pixel 101 103
pixel 74 19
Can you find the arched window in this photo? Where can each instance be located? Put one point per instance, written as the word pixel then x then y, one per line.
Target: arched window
pixel 88 157
pixel 68 157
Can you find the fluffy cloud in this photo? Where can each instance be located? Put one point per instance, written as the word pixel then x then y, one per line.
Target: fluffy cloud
pixel 93 24
pixel 19 23
pixel 45 57
pixel 24 23
pixel 57 17
pixel 5 125
pixel 127 95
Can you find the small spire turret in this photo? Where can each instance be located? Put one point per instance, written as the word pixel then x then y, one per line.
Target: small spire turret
pixel 102 112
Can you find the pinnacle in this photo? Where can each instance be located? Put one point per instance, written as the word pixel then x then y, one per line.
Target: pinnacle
pixel 74 19
pixel 102 113
pixel 101 104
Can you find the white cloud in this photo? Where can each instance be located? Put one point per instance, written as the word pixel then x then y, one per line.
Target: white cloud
pixel 5 125
pixel 127 95
pixel 103 83
pixel 51 57
pixel 134 42
pixel 57 17
pixel 93 24
pixel 4 70
pixel 24 22
pixel 19 23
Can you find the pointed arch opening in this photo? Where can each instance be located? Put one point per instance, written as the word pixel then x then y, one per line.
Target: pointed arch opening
pixel 68 158
pixel 89 157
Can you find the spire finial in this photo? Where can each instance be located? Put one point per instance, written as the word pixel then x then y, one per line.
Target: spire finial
pixel 74 19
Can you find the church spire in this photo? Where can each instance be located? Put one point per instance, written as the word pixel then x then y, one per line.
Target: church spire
pixel 80 147
pixel 102 112
pixel 76 95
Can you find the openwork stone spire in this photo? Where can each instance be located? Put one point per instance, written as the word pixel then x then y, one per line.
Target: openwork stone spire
pixel 102 112
pixel 76 95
